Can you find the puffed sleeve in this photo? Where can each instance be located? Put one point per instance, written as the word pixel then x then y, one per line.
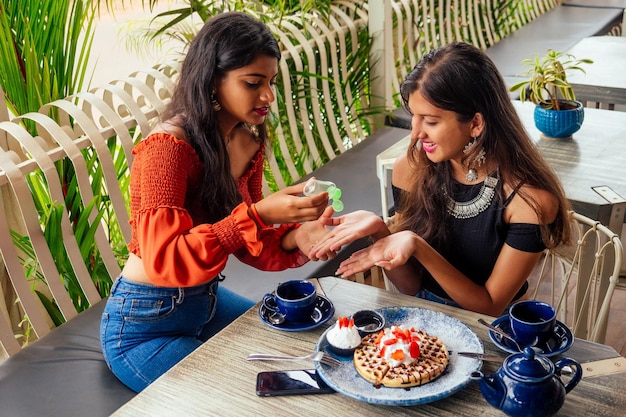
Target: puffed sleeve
pixel 174 252
pixel 273 257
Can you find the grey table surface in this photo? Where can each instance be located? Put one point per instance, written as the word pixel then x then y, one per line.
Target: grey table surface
pixel 216 379
pixel 604 81
pixel 591 165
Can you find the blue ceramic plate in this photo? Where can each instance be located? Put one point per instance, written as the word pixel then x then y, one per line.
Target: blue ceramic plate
pixel 455 335
pixel 561 340
pixel 324 310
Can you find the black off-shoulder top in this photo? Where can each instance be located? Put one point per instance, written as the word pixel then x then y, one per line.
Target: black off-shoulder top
pixel 476 242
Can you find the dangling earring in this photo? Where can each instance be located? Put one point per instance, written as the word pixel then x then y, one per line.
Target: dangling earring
pixel 254 129
pixel 472 174
pixel 216 104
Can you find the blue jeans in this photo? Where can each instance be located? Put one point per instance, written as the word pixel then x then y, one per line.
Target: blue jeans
pixel 430 296
pixel 145 329
pixel 427 295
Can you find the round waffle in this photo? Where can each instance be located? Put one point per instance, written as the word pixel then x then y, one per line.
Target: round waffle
pixel 431 363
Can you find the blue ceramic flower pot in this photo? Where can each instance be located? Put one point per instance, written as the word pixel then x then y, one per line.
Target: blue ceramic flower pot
pixel 559 124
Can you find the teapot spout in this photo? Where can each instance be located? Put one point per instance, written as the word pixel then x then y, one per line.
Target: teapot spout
pixel 493 389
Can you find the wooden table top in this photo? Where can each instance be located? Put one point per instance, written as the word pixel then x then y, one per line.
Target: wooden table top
pixel 217 380
pixel 592 161
pixel 604 81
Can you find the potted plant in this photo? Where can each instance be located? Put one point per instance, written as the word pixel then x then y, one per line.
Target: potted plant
pixel 557 113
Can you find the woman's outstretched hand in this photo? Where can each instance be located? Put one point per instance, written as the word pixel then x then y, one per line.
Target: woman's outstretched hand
pixel 310 233
pixel 287 206
pixel 347 229
pixel 388 253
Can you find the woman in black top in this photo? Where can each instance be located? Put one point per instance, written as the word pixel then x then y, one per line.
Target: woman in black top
pixel 476 202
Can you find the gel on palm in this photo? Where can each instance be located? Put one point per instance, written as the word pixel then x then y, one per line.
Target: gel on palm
pixel 315 186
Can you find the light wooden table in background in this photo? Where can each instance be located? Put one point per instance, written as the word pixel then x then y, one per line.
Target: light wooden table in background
pixel 604 81
pixel 217 380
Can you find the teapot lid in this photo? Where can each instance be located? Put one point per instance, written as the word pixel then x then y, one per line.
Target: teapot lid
pixel 529 366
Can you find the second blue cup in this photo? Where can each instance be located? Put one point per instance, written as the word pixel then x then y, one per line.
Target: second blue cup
pixel 532 322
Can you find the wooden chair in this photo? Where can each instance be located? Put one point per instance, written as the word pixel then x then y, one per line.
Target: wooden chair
pixel 579 281
pixel 373 276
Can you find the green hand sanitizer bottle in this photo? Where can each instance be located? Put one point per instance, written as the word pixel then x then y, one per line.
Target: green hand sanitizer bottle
pixel 315 186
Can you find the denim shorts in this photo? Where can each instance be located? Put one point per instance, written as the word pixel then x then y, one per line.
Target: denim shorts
pixel 145 329
pixel 430 296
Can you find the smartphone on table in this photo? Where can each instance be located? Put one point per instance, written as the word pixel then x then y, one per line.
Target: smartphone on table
pixel 300 381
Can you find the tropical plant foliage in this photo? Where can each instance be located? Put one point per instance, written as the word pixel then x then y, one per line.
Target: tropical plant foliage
pixel 502 13
pixel 44 57
pixel 45 48
pixel 46 60
pixel 547 82
pixel 358 83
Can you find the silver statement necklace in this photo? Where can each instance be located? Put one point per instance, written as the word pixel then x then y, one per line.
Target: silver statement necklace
pixel 475 206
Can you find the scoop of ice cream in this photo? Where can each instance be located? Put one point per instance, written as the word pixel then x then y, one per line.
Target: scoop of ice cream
pixel 344 334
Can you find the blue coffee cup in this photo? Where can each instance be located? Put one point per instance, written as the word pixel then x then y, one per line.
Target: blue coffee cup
pixel 294 299
pixel 532 322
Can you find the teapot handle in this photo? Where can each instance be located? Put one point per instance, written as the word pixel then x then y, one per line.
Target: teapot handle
pixel 578 374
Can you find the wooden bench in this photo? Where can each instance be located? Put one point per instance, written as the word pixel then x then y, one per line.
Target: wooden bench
pixel 60 370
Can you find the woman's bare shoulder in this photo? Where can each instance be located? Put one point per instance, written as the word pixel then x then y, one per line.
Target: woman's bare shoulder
pixel 401 175
pixel 520 210
pixel 171 128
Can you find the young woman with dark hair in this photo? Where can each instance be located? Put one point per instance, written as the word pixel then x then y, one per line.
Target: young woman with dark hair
pixel 196 198
pixel 476 202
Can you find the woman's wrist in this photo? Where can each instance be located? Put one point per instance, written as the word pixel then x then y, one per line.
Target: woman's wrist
pixel 288 241
pixel 380 234
pixel 254 215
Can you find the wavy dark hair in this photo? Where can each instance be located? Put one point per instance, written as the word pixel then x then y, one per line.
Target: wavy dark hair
pixel 461 78
pixel 226 42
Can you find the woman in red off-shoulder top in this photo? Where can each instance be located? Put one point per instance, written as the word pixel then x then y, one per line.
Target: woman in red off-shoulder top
pixel 196 198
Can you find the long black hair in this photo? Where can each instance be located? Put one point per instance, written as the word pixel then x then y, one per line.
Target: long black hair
pixel 226 42
pixel 461 78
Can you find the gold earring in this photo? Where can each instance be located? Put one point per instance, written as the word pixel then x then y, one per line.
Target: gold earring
pixel 216 104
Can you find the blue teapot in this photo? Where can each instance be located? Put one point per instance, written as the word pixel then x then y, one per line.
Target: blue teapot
pixel 528 384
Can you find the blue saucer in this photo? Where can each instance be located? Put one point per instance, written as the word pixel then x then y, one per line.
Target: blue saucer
pixel 559 342
pixel 324 310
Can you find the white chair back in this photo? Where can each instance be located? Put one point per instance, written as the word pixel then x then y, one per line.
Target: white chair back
pixel 81 144
pixel 580 281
